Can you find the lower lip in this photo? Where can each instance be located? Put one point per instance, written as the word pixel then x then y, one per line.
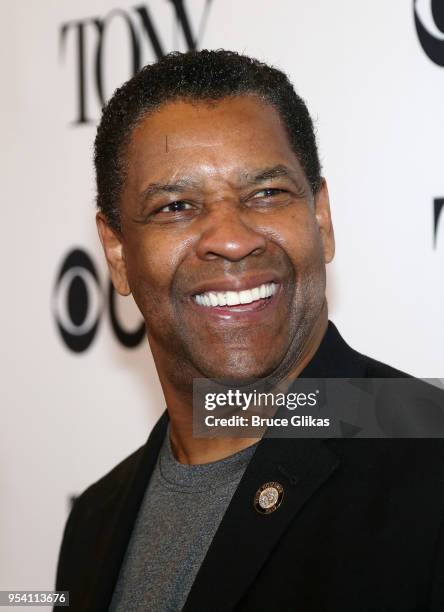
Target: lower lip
pixel 240 312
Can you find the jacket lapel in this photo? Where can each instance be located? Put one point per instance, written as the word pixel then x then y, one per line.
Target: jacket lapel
pixel 246 538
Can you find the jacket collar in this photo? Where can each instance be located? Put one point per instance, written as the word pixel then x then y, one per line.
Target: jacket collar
pixel 335 359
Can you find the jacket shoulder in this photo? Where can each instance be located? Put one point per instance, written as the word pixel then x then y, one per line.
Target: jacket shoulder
pixel 103 490
pixel 378 369
pixel 335 358
pixel 86 518
pixel 367 366
pixel 101 520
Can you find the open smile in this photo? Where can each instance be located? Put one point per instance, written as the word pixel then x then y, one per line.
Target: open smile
pixel 215 299
pixel 236 305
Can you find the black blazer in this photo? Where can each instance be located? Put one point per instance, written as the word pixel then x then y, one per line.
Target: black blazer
pixel 360 527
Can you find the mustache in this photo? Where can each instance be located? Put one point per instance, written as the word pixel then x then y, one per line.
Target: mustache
pixel 186 278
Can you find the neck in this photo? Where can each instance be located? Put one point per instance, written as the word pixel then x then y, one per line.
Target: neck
pixel 190 450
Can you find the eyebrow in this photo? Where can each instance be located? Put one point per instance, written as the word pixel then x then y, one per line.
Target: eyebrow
pixel 273 172
pixel 154 189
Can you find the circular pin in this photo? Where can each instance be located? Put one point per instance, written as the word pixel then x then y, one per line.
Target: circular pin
pixel 268 497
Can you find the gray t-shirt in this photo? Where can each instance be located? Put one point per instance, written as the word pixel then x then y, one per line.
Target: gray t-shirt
pixel 179 515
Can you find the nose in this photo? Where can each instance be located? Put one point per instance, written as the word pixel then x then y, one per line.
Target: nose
pixel 228 235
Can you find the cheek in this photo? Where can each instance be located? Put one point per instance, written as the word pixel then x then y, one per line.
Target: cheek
pixel 298 235
pixel 150 267
pixel 152 261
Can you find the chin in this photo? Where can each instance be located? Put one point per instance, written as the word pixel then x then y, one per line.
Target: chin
pixel 238 372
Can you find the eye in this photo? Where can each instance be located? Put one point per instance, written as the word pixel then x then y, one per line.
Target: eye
pixel 268 192
pixel 269 199
pixel 178 206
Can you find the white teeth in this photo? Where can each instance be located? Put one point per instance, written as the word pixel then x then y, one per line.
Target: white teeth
pixel 234 298
pixel 245 296
pixel 221 298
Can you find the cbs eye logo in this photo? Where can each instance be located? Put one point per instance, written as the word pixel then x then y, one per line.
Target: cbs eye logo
pixel 429 22
pixel 78 303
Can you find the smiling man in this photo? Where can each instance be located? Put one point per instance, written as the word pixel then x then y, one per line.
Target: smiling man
pixel 213 214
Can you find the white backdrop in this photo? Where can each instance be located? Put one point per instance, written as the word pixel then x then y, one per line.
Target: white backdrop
pixel 377 99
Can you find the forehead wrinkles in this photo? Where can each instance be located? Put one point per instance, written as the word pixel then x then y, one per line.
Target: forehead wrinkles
pixel 167 143
pixel 173 156
pixel 207 147
pixel 180 125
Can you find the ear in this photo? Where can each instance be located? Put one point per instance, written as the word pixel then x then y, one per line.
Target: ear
pixel 113 249
pixel 323 218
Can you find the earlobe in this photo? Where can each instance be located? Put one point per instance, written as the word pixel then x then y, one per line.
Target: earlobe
pixel 324 221
pixel 113 249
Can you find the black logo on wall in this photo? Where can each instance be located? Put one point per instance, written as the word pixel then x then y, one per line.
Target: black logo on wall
pixel 429 22
pixel 141 41
pixel 79 303
pixel 438 207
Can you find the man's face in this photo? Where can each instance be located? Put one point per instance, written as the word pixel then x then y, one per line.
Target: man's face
pixel 223 245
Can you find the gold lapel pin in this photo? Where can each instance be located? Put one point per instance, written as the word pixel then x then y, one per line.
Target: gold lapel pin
pixel 268 497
